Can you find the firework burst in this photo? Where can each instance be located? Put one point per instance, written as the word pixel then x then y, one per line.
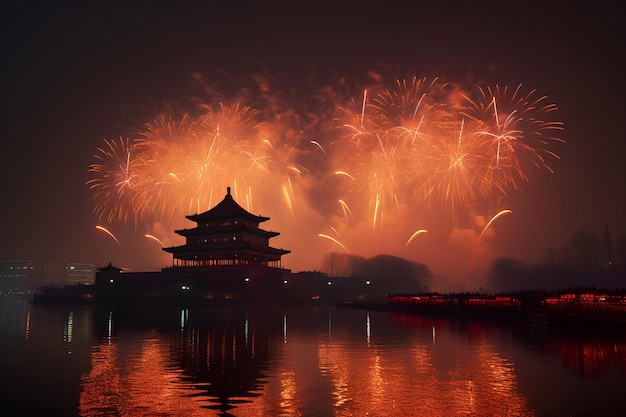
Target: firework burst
pixel 111 186
pixel 419 145
pixel 516 131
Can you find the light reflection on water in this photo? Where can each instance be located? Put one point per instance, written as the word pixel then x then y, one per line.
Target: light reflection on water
pixel 300 361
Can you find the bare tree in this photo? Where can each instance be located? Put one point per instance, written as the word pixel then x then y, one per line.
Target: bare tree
pixel 340 264
pixel 396 274
pixel 330 263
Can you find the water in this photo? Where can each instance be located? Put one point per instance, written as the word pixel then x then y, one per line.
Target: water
pixel 299 361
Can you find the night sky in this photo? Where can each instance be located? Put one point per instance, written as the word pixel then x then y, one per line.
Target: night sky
pixel 77 73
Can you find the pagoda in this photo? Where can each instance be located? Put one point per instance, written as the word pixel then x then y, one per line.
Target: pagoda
pixel 226 237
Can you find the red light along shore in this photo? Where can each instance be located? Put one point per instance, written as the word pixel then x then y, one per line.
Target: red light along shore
pixel 581 306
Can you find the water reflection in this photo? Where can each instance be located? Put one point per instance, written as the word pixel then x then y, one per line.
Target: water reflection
pixel 454 377
pixel 591 355
pixel 43 352
pixel 304 361
pixel 590 352
pixel 210 358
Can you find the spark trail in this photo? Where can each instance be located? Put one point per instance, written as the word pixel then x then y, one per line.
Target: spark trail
pixel 506 211
pixel 105 230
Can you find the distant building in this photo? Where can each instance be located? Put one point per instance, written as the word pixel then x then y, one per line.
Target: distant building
pixel 26 276
pixel 59 274
pixel 80 273
pixel 20 276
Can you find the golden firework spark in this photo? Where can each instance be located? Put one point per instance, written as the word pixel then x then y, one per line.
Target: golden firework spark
pixel 332 239
pixel 108 232
pixel 155 239
pixel 506 211
pixel 414 235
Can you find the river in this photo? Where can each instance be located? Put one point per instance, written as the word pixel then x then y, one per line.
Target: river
pixel 299 361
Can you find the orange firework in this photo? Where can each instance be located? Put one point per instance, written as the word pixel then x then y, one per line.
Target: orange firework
pixel 332 239
pixel 516 129
pixel 414 235
pixel 418 141
pixel 154 238
pixel 105 230
pixel 416 145
pixel 176 165
pixel 111 186
pixel 506 211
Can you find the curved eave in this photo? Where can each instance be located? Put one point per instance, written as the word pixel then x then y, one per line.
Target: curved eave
pixel 208 217
pixel 225 230
pixel 228 208
pixel 239 247
pixel 186 252
pixel 110 269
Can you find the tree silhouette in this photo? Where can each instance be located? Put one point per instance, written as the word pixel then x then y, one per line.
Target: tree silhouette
pixel 396 274
pixel 341 264
pixel 389 273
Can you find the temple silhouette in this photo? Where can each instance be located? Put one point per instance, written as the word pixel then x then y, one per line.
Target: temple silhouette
pixel 225 236
pixel 226 256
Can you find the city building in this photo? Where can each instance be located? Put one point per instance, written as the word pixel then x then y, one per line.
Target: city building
pixel 79 273
pixel 20 276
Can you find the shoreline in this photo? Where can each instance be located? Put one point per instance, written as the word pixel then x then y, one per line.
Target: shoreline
pixel 575 306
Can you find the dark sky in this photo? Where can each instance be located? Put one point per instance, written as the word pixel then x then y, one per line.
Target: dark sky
pixel 75 73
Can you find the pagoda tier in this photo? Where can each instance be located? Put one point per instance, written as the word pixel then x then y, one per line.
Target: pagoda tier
pixel 226 235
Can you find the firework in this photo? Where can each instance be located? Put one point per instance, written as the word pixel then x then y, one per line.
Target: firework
pixel 506 211
pixel 421 145
pixel 111 183
pixel 332 239
pixel 105 230
pixel 155 239
pixel 516 131
pixel 415 234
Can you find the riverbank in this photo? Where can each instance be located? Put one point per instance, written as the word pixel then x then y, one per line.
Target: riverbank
pixel 577 306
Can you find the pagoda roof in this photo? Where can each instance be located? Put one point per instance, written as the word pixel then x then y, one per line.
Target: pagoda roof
pixel 228 208
pixel 227 230
pixel 241 248
pixel 110 268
